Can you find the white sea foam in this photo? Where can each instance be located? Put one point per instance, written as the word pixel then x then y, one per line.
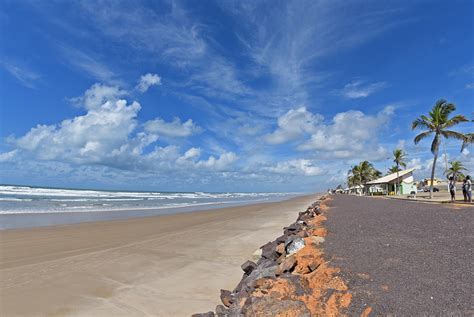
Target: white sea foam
pixel 36 200
pixel 82 209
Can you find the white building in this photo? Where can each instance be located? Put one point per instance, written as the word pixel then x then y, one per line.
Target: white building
pixel 386 185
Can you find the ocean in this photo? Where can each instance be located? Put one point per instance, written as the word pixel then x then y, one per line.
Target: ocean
pixel 24 206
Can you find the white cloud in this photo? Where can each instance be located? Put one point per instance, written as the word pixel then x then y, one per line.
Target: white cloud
pixel 8 156
pixel 470 86
pixel 97 95
pixel 192 153
pixel 99 136
pixel 26 77
pixel 109 135
pixel 88 64
pixel 148 80
pixel 221 163
pixel 172 129
pixel 296 166
pixel 292 125
pixel 359 89
pixel 350 134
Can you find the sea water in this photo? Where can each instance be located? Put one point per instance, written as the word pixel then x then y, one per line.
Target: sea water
pixel 24 206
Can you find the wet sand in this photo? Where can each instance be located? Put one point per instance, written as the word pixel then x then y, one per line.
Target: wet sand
pixel 171 265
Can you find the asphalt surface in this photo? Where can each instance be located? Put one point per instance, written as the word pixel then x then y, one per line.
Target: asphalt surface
pixel 403 258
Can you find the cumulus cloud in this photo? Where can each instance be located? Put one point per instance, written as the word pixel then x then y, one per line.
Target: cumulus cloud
pixel 348 131
pixel 99 136
pixel 296 166
pixel 220 163
pixel 360 89
pixel 148 80
pixel 349 134
pixel 109 134
pixel 174 128
pixel 292 125
pixel 7 156
pixel 97 95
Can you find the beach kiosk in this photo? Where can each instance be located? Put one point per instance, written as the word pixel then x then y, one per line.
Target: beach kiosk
pixel 386 185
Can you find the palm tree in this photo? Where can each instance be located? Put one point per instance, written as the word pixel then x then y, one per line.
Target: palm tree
pixel 399 160
pixel 438 122
pixel 393 169
pixel 362 173
pixel 455 170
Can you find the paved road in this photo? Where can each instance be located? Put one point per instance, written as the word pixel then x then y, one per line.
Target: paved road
pixel 403 258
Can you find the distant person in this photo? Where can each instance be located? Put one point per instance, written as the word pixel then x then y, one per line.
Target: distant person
pixel 452 188
pixel 467 188
pixel 464 193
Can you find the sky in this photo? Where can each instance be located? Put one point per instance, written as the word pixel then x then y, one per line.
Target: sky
pixel 226 95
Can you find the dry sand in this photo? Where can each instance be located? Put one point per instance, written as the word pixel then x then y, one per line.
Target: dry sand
pixel 170 265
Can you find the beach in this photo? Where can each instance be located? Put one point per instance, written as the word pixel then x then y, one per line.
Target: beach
pixel 170 265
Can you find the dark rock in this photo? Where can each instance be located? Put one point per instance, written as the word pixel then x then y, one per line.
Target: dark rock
pixel 286 265
pixel 313 266
pixel 248 267
pixel 303 234
pixel 292 228
pixel 226 297
pixel 208 314
pixel 221 311
pixel 305 217
pixel 268 251
pixel 280 249
pixel 269 307
pixel 281 239
pixel 262 272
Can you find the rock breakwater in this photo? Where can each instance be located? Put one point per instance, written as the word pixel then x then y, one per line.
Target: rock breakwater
pixel 291 276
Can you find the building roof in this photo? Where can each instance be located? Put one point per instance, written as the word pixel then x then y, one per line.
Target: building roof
pixel 390 177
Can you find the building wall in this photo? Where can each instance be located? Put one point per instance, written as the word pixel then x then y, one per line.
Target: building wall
pixel 406 189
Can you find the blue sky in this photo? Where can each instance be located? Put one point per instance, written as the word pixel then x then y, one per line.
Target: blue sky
pixel 226 95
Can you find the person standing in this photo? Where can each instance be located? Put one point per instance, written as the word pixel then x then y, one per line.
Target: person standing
pixel 468 187
pixel 464 193
pixel 452 188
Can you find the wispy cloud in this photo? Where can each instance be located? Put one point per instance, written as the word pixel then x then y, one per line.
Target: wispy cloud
pixel 89 65
pixel 361 89
pixel 24 75
pixel 289 42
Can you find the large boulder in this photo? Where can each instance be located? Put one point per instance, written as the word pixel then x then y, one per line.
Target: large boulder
pixel 269 251
pixel 287 265
pixel 226 297
pixel 248 267
pixel 294 244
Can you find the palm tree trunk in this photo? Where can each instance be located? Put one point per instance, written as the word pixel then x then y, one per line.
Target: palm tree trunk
pixel 433 173
pixel 398 181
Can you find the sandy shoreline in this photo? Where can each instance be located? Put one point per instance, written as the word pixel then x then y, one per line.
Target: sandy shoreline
pixel 171 265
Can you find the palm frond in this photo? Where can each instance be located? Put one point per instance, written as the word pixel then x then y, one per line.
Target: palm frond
pixel 421 136
pixel 453 135
pixel 454 121
pixel 421 123
pixel 439 103
pixel 468 139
